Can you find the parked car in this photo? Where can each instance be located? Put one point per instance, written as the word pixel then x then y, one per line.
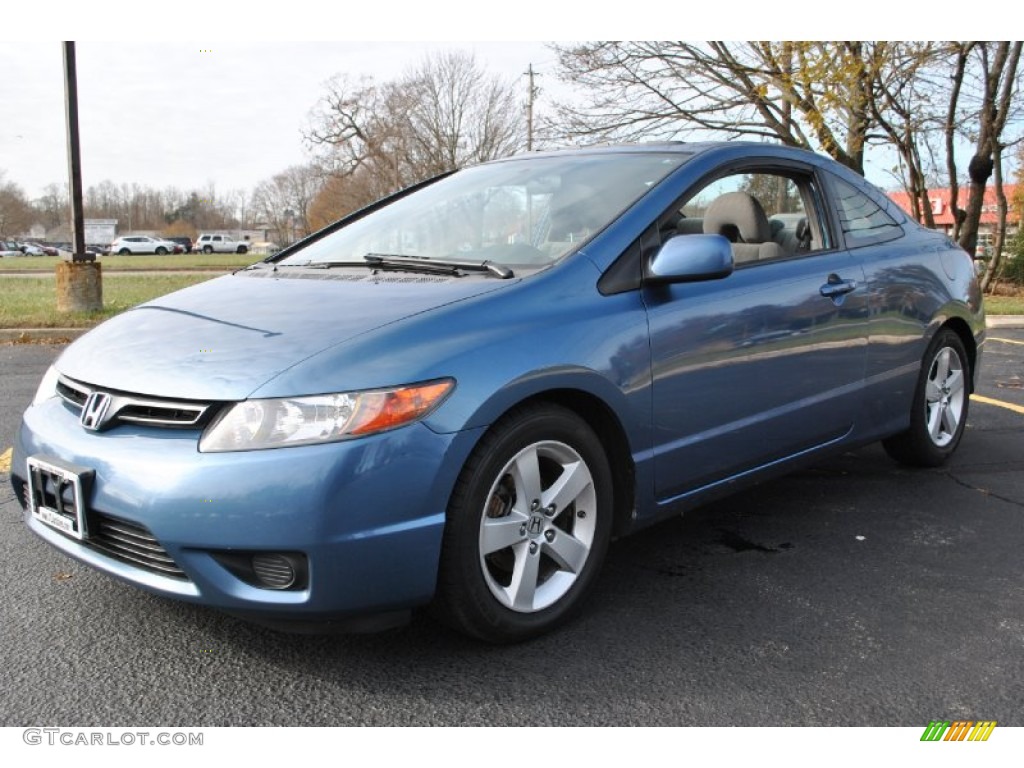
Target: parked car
pixel 10 249
pixel 211 243
pixel 48 250
pixel 184 242
pixel 458 398
pixel 135 244
pixel 31 249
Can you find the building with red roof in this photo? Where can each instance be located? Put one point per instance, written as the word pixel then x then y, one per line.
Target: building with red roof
pixel 943 212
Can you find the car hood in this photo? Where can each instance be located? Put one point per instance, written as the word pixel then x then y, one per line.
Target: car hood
pixel 223 339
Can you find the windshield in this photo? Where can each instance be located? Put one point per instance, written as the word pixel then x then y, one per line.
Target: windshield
pixel 529 211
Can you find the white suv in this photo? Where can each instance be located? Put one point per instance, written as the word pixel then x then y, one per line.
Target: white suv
pixel 133 244
pixel 220 244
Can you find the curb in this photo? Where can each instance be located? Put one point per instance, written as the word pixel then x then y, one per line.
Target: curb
pixel 64 335
pixel 1005 321
pixel 39 335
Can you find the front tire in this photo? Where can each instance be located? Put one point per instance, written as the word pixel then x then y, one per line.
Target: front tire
pixel 161 251
pixel 207 249
pixel 124 252
pixel 939 413
pixel 528 526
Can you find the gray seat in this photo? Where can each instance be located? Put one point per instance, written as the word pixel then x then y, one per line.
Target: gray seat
pixel 791 231
pixel 687 226
pixel 740 218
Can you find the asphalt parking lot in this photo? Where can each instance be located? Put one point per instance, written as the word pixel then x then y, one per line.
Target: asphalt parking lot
pixel 854 593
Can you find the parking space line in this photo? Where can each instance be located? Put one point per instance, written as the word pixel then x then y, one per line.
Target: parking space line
pixel 5 460
pixel 1002 404
pixel 1006 341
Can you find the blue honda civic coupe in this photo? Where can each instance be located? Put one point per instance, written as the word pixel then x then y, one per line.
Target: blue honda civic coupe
pixel 458 396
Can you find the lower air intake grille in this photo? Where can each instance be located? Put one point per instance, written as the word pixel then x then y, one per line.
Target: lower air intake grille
pixel 132 544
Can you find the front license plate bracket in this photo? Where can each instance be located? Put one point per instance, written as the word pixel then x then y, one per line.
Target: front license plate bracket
pixel 56 494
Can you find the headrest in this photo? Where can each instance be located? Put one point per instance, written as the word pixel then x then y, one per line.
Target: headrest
pixel 737 213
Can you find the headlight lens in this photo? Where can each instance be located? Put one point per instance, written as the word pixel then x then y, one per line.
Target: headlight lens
pixel 255 424
pixel 47 387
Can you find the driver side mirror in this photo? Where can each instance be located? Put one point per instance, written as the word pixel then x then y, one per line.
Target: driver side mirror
pixel 690 259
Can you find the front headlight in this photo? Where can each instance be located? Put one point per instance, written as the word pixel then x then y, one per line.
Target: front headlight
pixel 47 387
pixel 276 423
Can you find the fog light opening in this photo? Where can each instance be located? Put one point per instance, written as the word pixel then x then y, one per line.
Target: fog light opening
pixel 274 571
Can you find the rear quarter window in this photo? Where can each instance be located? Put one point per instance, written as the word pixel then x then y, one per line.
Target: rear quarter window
pixel 861 219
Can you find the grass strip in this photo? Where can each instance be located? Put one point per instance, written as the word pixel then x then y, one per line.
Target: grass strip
pixel 1004 305
pixel 141 262
pixel 31 302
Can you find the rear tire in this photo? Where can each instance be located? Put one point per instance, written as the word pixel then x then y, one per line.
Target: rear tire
pixel 242 249
pixel 939 413
pixel 528 526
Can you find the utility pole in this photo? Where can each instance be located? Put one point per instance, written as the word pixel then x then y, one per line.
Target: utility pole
pixel 79 288
pixel 531 94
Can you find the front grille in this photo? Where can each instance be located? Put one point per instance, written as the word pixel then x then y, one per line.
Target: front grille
pixel 131 543
pixel 125 408
pixel 72 392
pixel 164 415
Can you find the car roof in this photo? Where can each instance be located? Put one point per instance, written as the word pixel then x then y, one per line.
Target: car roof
pixel 692 148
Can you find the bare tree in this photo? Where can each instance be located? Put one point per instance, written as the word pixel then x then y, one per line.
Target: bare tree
pixel 962 52
pixel 996 84
pixel 903 100
pixel 283 201
pixel 805 94
pixel 458 115
pixel 15 212
pixel 443 114
pixel 53 207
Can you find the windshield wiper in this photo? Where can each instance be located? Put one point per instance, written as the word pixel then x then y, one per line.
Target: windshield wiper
pixel 413 264
pixel 416 264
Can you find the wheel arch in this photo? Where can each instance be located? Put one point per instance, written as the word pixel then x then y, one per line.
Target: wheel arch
pixel 601 417
pixel 960 327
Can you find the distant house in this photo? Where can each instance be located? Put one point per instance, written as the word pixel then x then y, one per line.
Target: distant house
pixel 943 212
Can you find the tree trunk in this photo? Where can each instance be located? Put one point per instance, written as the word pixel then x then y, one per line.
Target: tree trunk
pixel 999 79
pixel 962 52
pixel 995 263
pixel 980 171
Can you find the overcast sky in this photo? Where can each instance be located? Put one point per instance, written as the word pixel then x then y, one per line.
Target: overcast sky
pixel 185 114
pixel 160 111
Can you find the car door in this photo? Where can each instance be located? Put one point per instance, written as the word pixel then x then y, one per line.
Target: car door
pixel 905 290
pixel 765 364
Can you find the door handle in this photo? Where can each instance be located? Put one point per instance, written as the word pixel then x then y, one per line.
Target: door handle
pixel 836 287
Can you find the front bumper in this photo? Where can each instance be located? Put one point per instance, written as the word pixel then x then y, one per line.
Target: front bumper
pixel 368 513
